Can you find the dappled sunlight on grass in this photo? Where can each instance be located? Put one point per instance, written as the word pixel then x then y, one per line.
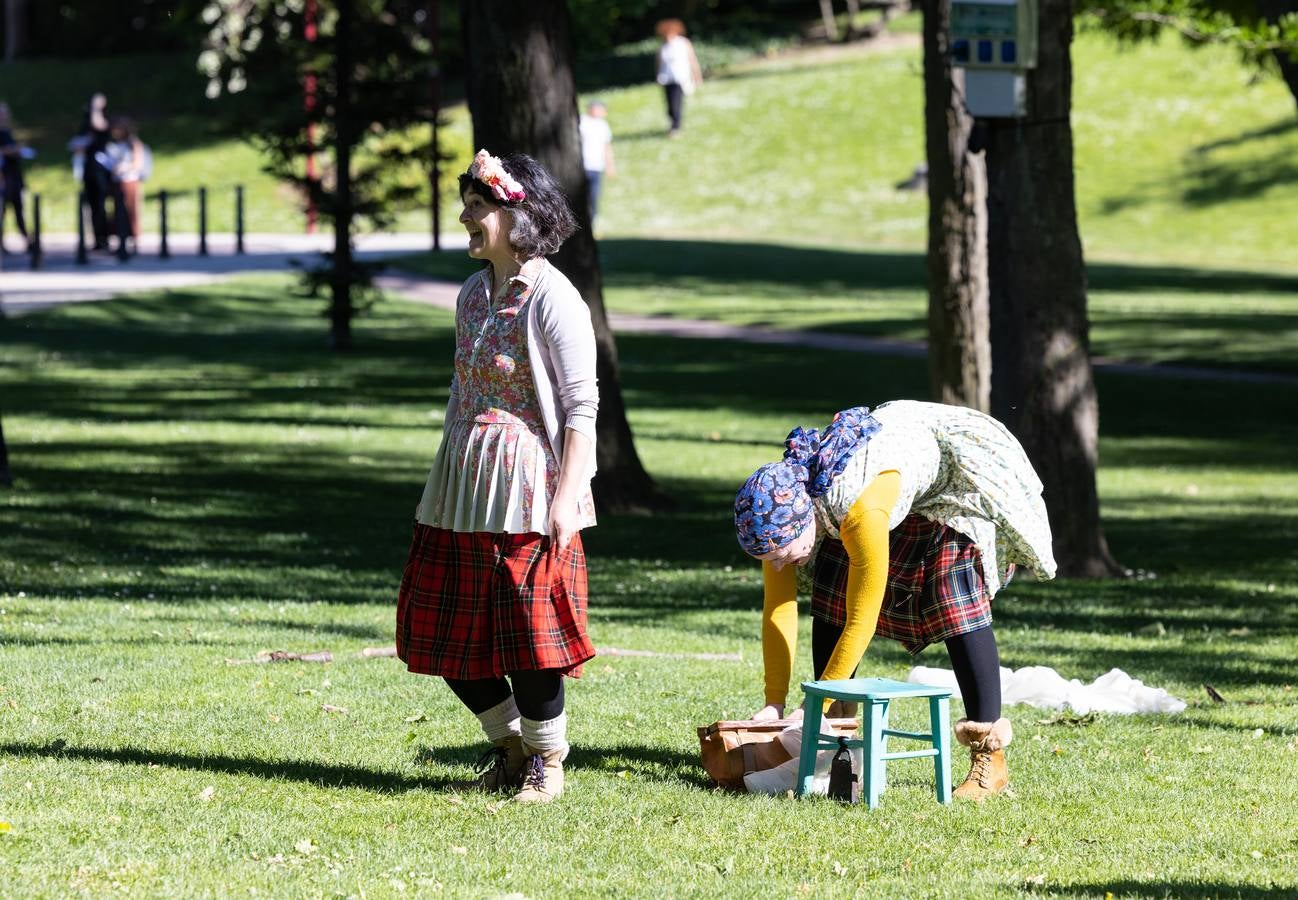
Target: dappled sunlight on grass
pixel 198 480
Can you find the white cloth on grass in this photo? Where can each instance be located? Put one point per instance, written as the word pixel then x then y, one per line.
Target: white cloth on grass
pixel 784 777
pixel 1041 686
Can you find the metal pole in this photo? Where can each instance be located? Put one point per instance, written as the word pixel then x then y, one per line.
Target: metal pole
pixel 81 228
pixel 202 221
pixel 35 248
pixel 309 100
pixel 163 252
pixel 435 90
pixel 238 219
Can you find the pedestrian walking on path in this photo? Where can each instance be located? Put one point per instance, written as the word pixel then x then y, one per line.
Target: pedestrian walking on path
pixel 596 152
pixel 678 70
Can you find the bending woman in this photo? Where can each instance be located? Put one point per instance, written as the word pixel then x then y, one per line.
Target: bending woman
pixel 493 598
pixel 907 520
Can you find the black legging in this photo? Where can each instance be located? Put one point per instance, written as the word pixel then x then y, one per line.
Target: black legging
pixel 12 197
pixel 675 101
pixel 538 693
pixel 98 184
pixel 974 659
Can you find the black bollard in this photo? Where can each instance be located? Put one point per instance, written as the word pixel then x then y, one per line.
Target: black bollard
pixel 238 219
pixel 34 248
pixel 202 221
pixel 82 259
pixel 163 251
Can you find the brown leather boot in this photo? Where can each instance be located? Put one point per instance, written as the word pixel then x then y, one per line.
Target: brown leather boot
pixel 500 768
pixel 988 773
pixel 542 776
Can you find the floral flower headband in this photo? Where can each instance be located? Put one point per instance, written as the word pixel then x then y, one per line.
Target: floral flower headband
pixel 487 169
pixel 775 505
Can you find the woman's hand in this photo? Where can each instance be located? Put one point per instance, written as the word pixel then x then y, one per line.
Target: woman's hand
pixel 563 522
pixel 768 712
pixel 563 508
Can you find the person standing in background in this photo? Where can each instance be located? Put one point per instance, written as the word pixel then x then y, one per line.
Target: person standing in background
pixel 91 144
pixel 678 69
pixel 596 151
pixel 128 157
pixel 11 175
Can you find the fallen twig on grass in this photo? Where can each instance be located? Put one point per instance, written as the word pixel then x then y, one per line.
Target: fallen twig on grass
pixel 274 656
pixel 376 652
pixel 712 657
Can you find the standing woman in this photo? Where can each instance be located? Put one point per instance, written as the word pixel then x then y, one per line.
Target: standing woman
pixel 96 167
pixel 493 598
pixel 128 157
pixel 678 69
pixel 908 521
pixel 11 176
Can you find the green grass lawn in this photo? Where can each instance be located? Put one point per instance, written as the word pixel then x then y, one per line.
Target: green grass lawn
pixel 197 481
pixel 1145 313
pixel 1186 162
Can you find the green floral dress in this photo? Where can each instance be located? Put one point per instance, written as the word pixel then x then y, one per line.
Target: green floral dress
pixel 959 467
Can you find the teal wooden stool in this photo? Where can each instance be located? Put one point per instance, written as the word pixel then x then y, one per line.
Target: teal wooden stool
pixel 875 695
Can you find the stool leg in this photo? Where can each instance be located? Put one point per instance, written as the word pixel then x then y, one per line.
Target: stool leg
pixel 883 747
pixel 939 714
pixel 873 717
pixel 812 709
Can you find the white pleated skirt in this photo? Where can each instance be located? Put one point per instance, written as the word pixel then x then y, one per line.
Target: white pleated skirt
pixel 492 476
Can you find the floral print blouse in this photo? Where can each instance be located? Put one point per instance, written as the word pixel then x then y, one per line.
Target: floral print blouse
pixel 495 470
pixel 959 467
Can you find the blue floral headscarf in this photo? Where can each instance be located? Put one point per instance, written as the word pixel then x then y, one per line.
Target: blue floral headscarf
pixel 774 505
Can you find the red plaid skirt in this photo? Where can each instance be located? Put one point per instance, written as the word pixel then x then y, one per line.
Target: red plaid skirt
pixel 935 585
pixel 479 605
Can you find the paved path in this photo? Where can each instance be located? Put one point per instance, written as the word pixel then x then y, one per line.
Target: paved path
pixel 62 281
pixel 442 294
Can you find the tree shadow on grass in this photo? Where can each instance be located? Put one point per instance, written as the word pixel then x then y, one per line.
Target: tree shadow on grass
pixel 1275 129
pixel 645 262
pixel 315 520
pixel 644 763
pixel 1203 182
pixel 320 774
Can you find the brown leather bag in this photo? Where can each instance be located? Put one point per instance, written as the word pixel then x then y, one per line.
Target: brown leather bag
pixel 732 749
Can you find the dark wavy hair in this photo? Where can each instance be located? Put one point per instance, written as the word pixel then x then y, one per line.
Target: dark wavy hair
pixel 543 220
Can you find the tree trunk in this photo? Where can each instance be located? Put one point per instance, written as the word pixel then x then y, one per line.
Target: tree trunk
pixel 523 99
pixel 1043 387
pixel 827 16
pixel 15 29
pixel 340 309
pixel 5 478
pixel 1271 11
pixel 435 123
pixel 959 350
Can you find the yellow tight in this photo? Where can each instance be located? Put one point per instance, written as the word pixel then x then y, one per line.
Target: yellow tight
pixel 864 531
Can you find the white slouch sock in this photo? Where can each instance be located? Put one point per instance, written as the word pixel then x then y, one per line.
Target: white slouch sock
pixel 547 734
pixel 501 721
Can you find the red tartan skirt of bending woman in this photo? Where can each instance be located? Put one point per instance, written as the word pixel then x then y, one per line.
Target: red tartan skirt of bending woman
pixel 935 585
pixel 479 605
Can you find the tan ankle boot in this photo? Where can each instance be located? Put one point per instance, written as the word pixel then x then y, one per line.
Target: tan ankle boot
pixel 501 767
pixel 988 773
pixel 542 776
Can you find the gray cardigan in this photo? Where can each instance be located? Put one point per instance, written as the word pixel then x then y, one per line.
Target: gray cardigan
pixel 561 351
